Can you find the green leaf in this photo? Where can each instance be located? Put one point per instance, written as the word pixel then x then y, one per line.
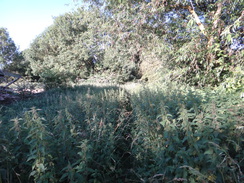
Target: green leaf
pixel 209 152
pixel 32 157
pixel 229 38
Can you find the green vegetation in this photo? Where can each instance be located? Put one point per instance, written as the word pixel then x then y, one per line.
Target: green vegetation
pixel 104 134
pixel 65 51
pixel 183 123
pixel 192 41
pixel 10 57
pixel 8 50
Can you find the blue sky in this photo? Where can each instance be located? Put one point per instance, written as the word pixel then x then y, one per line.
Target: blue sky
pixel 25 19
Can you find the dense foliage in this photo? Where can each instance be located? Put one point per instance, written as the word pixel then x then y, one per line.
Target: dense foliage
pixel 11 58
pixel 91 134
pixel 197 38
pixel 67 50
pixel 8 49
pixel 169 133
pixel 193 41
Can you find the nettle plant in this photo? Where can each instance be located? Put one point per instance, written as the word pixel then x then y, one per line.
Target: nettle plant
pixel 104 134
pixel 84 140
pixel 188 136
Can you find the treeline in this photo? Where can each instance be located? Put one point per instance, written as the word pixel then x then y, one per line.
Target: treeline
pixel 197 42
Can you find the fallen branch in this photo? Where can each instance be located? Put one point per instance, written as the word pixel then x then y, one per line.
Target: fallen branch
pixel 12 82
pixel 3 74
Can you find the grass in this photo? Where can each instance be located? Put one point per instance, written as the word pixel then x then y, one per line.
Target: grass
pixel 105 134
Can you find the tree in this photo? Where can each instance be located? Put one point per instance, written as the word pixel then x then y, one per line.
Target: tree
pixel 65 51
pixel 199 33
pixel 8 50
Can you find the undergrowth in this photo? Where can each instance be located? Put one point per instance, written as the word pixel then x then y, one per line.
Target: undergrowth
pixel 104 134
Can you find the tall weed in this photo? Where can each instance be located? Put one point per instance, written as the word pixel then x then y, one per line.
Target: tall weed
pixel 188 136
pixel 105 134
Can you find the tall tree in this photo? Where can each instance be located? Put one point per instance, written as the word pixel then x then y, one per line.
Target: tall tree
pixel 8 50
pixel 66 50
pixel 200 33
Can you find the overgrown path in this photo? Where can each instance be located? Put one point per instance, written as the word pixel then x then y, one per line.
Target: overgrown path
pixel 101 133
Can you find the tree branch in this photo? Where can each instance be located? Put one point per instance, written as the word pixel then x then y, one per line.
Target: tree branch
pixel 195 16
pixel 197 19
pixel 217 14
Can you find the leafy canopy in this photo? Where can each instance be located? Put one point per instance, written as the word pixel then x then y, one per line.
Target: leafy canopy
pixel 65 51
pixel 193 41
pixel 8 50
pixel 204 41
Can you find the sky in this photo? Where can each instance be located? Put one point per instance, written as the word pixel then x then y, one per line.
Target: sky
pixel 26 19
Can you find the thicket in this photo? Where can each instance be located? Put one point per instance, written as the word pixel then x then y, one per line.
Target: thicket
pixel 92 134
pixel 171 133
pixel 192 41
